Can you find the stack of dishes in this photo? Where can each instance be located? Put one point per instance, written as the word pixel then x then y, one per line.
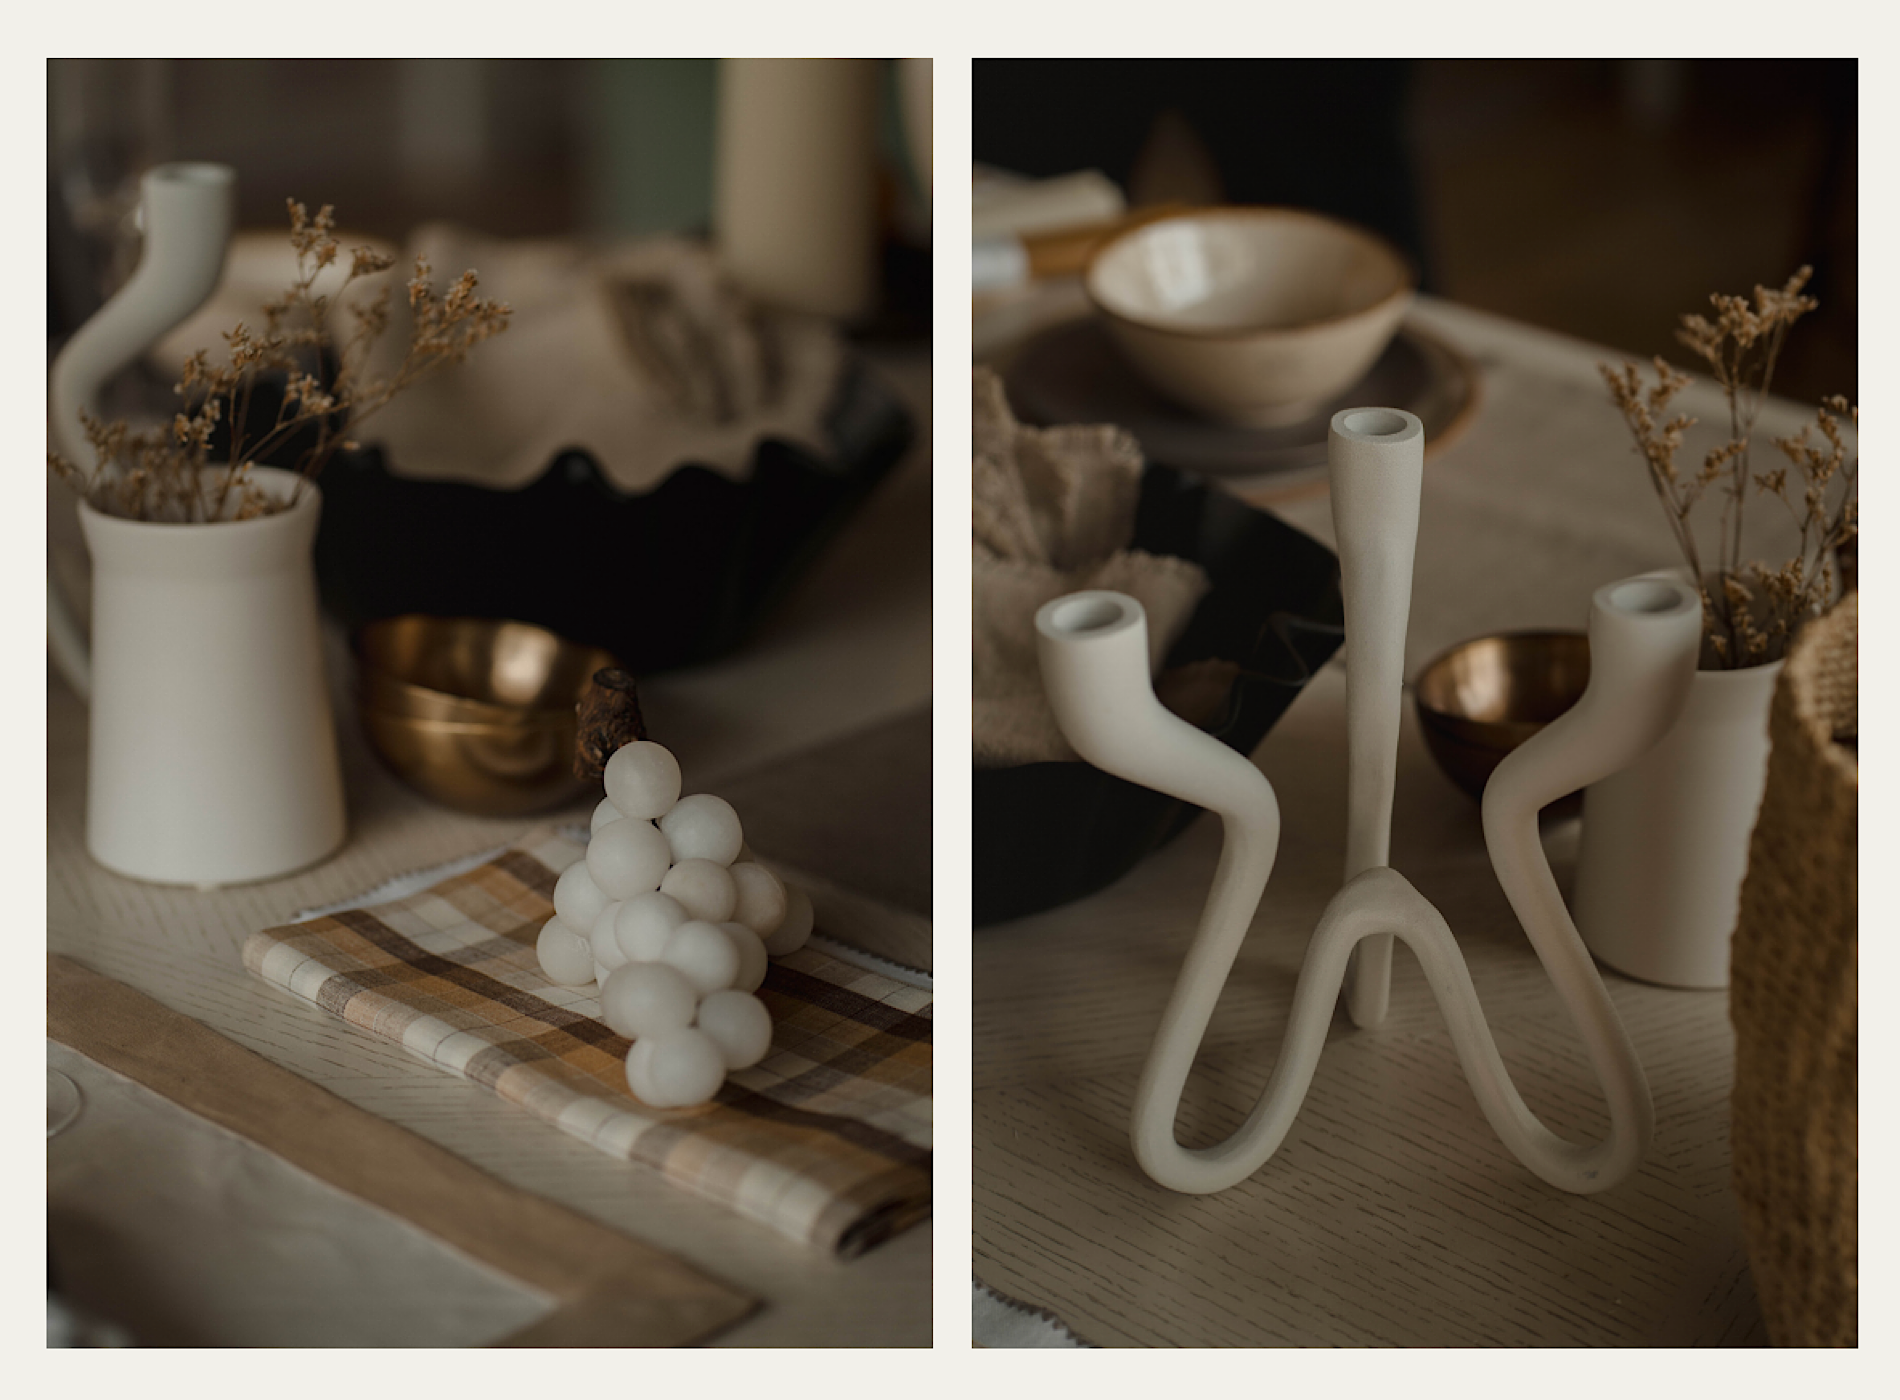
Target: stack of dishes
pixel 476 713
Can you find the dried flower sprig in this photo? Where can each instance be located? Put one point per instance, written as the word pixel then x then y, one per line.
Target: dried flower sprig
pixel 166 473
pixel 1750 611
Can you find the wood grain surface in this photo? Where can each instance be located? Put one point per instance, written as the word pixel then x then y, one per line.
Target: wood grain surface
pixel 1391 1215
pixel 611 1290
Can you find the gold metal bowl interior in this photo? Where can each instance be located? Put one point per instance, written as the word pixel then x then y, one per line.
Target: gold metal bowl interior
pixel 516 665
pixel 485 769
pixel 1482 698
pixel 477 714
pixel 379 690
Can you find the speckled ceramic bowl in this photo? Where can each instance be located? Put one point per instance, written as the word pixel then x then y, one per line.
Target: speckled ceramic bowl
pixel 1250 316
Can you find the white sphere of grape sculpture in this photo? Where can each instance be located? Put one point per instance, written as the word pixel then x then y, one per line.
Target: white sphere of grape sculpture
pixel 795 929
pixel 565 956
pixel 676 920
pixel 705 956
pixel 642 999
pixel 644 923
pixel 642 780
pixel 704 827
pixel 739 1025
pixel 627 857
pixel 753 959
pixel 577 899
pixel 761 903
pixel 680 1069
pixel 606 947
pixel 706 888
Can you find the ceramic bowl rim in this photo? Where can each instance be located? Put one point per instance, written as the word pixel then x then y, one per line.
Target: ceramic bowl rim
pixel 1407 271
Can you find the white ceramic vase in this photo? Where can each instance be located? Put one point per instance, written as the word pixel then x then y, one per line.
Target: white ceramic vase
pixel 1665 842
pixel 213 757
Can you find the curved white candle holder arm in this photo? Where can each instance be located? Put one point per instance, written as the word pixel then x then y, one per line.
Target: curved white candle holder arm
pixel 1094 653
pixel 187 210
pixel 1644 636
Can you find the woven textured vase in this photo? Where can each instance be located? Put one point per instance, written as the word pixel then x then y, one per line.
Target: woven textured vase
pixel 1794 998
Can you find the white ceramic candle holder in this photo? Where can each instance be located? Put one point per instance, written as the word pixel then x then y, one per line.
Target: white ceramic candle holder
pixel 187 211
pixel 1644 635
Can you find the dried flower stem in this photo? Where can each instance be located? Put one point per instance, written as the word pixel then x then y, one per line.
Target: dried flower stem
pixel 162 474
pixel 1741 346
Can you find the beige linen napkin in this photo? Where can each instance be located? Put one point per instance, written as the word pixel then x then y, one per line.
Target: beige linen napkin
pixel 1052 512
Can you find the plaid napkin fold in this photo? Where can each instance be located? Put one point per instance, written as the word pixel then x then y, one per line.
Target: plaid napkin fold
pixel 827 1140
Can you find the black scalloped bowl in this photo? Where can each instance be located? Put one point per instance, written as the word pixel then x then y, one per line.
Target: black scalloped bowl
pixel 1045 834
pixel 670 578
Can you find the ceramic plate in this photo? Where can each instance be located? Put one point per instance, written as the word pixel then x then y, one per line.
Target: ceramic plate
pixel 1074 374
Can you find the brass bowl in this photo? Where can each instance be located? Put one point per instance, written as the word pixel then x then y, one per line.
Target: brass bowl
pixel 475 713
pixel 513 665
pixel 1481 699
pixel 380 690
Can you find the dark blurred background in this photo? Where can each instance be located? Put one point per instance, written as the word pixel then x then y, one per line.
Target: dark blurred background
pixel 511 147
pixel 1601 198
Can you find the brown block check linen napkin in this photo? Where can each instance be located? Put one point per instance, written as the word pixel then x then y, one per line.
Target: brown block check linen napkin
pixel 826 1140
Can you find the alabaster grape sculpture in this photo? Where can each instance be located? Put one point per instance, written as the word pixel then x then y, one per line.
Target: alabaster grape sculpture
pixel 673 919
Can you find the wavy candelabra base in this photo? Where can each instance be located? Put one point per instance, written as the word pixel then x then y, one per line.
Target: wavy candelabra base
pixel 1375 903
pixel 1644 635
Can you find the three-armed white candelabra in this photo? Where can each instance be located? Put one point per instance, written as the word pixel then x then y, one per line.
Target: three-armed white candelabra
pixel 1644 635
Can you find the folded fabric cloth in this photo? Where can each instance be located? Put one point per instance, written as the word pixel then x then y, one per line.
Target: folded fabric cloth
pixel 1053 513
pixel 642 354
pixel 1011 716
pixel 1063 496
pixel 827 1140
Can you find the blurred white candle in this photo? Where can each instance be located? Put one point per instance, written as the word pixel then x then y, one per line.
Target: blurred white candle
pixel 794 209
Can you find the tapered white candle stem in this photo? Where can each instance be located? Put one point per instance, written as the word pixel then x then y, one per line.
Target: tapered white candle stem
pixel 1376 462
